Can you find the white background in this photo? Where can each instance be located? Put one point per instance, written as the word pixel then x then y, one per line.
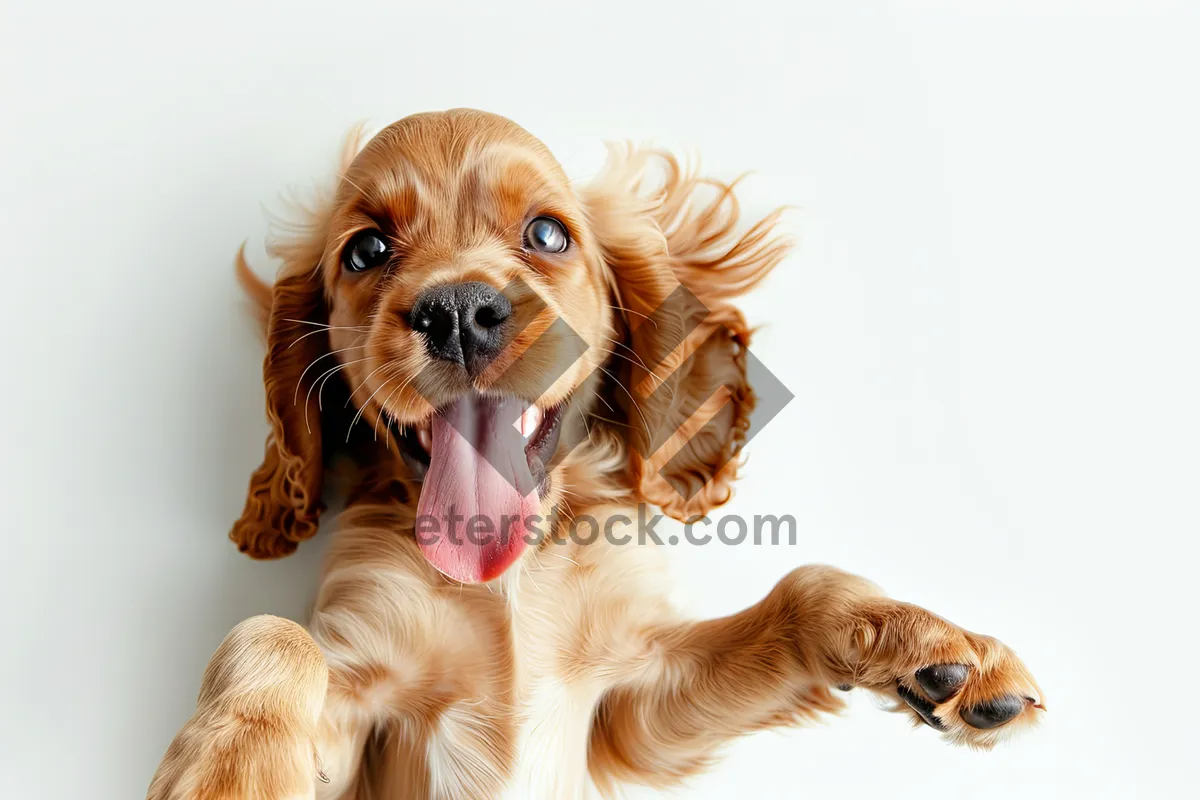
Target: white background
pixel 990 328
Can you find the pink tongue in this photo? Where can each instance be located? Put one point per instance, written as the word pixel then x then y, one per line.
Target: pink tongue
pixel 478 491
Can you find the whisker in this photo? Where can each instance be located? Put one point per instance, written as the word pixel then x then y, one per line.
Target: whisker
pixel 619 343
pixel 635 313
pixel 363 407
pixel 363 383
pixel 306 335
pixel 613 422
pixel 636 407
pixel 321 328
pixel 383 410
pixel 636 364
pixel 328 372
pixel 583 417
pixel 325 325
pixel 571 493
pixel 530 576
pixel 321 391
pixel 600 397
pixel 311 364
pixel 380 414
pixel 570 516
pixel 387 424
pixel 325 379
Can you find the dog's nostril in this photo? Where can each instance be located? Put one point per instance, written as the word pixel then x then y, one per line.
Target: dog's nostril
pixel 489 316
pixel 436 319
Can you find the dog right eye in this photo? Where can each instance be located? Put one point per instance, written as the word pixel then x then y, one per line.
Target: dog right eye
pixel 367 250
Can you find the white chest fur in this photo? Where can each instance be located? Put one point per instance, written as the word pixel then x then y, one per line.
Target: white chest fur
pixel 554 713
pixel 553 742
pixel 573 637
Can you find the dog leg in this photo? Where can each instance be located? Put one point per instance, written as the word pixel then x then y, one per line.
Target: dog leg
pixel 254 730
pixel 774 664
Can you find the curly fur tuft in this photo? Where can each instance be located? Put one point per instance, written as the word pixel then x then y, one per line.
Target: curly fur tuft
pixel 690 403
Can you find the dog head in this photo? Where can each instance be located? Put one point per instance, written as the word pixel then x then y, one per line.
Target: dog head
pixel 518 344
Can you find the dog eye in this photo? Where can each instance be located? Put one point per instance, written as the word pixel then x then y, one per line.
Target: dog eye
pixel 546 235
pixel 365 251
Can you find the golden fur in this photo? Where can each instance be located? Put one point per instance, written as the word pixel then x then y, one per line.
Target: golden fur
pixel 570 673
pixel 252 733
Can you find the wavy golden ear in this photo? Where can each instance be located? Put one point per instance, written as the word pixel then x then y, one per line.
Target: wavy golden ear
pixel 676 264
pixel 284 500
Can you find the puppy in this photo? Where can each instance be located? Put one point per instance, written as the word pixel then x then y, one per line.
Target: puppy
pixel 497 354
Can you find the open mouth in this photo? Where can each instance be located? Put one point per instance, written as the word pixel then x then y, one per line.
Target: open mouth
pixel 484 461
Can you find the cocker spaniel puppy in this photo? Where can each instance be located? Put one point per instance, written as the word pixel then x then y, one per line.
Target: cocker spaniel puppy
pixel 497 354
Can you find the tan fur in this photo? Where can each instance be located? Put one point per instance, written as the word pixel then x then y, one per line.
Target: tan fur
pixel 571 673
pixel 253 733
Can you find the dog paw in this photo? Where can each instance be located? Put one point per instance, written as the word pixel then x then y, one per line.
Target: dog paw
pixel 977 698
pixel 252 733
pixel 971 688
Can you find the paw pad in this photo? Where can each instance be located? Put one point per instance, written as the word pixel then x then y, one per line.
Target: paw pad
pixel 941 681
pixel 993 713
pixel 919 704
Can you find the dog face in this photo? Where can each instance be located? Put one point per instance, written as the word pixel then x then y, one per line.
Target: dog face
pixel 517 345
pixel 455 243
pixel 467 304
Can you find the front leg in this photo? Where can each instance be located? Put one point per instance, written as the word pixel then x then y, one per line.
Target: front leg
pixel 256 728
pixel 394 689
pixel 774 663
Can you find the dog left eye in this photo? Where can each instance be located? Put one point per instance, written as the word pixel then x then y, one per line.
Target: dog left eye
pixel 365 251
pixel 546 235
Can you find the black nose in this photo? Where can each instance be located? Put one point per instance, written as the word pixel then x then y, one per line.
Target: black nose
pixel 462 323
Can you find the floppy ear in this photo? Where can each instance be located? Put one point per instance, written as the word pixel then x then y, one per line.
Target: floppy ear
pixel 283 503
pixel 675 265
pixel 284 499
